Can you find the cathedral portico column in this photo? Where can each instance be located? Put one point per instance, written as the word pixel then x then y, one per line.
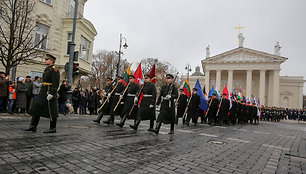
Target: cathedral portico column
pixel 230 80
pixel 276 88
pixel 207 73
pixel 249 83
pixel 262 88
pixel 218 79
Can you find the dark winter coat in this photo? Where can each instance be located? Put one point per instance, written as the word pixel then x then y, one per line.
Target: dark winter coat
pixel 167 114
pixel 3 87
pixel 106 108
pixel 149 98
pixel 181 105
pixel 40 107
pixel 21 100
pixel 115 98
pixel 63 92
pixel 194 106
pixel 224 108
pixel 129 96
pixel 29 86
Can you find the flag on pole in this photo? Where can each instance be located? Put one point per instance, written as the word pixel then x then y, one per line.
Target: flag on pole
pixel 139 79
pixel 203 105
pixel 211 91
pixel 153 75
pixel 225 91
pixel 217 93
pixel 239 97
pixel 258 109
pixel 126 75
pixel 186 88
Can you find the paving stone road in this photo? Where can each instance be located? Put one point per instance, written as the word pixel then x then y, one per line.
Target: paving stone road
pixel 84 147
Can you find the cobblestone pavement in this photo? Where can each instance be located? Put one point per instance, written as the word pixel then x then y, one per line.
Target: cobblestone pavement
pixel 84 147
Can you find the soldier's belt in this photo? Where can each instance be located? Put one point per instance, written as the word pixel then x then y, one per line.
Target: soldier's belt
pixel 117 93
pixel 145 95
pixel 46 84
pixel 131 95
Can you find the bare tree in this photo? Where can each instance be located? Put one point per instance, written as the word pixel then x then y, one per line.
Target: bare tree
pixel 17 28
pixel 104 65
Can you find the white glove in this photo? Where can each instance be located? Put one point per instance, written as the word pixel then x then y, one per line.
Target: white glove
pixel 49 97
pixel 109 95
pixel 122 103
pixel 167 97
pixel 104 93
pixel 135 100
pixel 151 106
pixel 120 97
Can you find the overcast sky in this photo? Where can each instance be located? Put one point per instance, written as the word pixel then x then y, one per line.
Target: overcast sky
pixel 178 31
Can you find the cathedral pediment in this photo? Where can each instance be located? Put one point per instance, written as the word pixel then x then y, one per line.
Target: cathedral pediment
pixel 244 55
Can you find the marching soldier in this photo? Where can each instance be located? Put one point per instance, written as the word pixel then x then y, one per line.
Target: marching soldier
pixel 106 93
pixel 167 110
pixel 46 103
pixel 223 110
pixel 129 100
pixel 193 108
pixel 146 110
pixel 114 100
pixel 244 112
pixel 233 111
pixel 181 105
pixel 213 108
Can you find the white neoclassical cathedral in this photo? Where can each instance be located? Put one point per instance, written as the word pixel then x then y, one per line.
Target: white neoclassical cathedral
pixel 252 71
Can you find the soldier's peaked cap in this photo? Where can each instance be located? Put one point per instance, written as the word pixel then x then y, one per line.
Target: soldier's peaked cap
pixel 109 79
pixel 132 76
pixel 119 77
pixel 49 56
pixel 195 89
pixel 169 76
pixel 147 76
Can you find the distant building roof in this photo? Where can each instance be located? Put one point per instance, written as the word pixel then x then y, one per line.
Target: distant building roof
pixel 197 72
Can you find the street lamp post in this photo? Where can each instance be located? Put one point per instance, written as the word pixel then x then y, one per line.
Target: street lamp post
pixel 188 69
pixel 125 47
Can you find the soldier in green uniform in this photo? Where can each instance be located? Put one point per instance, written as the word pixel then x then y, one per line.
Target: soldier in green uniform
pixel 46 103
pixel 129 100
pixel 146 110
pixel 114 100
pixel 106 92
pixel 167 110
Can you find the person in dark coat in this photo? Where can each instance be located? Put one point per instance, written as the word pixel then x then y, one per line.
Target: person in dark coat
pixel 129 100
pixel 3 91
pixel 76 99
pixel 29 85
pixel 63 92
pixel 181 106
pixel 239 113
pixel 116 96
pixel 223 110
pixel 21 100
pixel 82 102
pixel 146 109
pixel 193 108
pixel 233 111
pixel 168 94
pixel 91 102
pixel 213 108
pixel 244 112
pixel 46 103
pixel 249 112
pixel 106 93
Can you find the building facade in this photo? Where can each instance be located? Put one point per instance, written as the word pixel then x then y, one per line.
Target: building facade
pixel 254 72
pixel 54 18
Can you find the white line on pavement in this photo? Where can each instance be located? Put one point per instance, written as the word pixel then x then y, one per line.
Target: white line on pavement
pixel 239 140
pixel 209 135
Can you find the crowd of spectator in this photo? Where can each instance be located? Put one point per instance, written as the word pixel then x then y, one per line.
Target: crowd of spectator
pixel 17 96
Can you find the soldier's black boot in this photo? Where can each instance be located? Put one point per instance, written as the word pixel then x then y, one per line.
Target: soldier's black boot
pixel 135 126
pixel 171 129
pixel 33 125
pixel 109 120
pixel 156 130
pixel 121 124
pixel 100 115
pixel 151 125
pixel 52 126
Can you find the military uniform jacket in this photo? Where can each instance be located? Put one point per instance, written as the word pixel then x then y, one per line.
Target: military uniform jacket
pixel 181 105
pixel 167 114
pixel 149 98
pixel 244 112
pixel 129 96
pixel 254 111
pixel 233 110
pixel 194 106
pixel 41 107
pixel 213 108
pixel 106 108
pixel 224 108
pixel 115 98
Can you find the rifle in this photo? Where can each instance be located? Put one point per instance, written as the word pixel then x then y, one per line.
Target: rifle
pixel 108 96
pixel 177 100
pixel 137 97
pixel 187 107
pixel 121 98
pixel 219 108
pixel 208 107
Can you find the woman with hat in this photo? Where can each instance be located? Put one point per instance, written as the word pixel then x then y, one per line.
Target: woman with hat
pixel 21 101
